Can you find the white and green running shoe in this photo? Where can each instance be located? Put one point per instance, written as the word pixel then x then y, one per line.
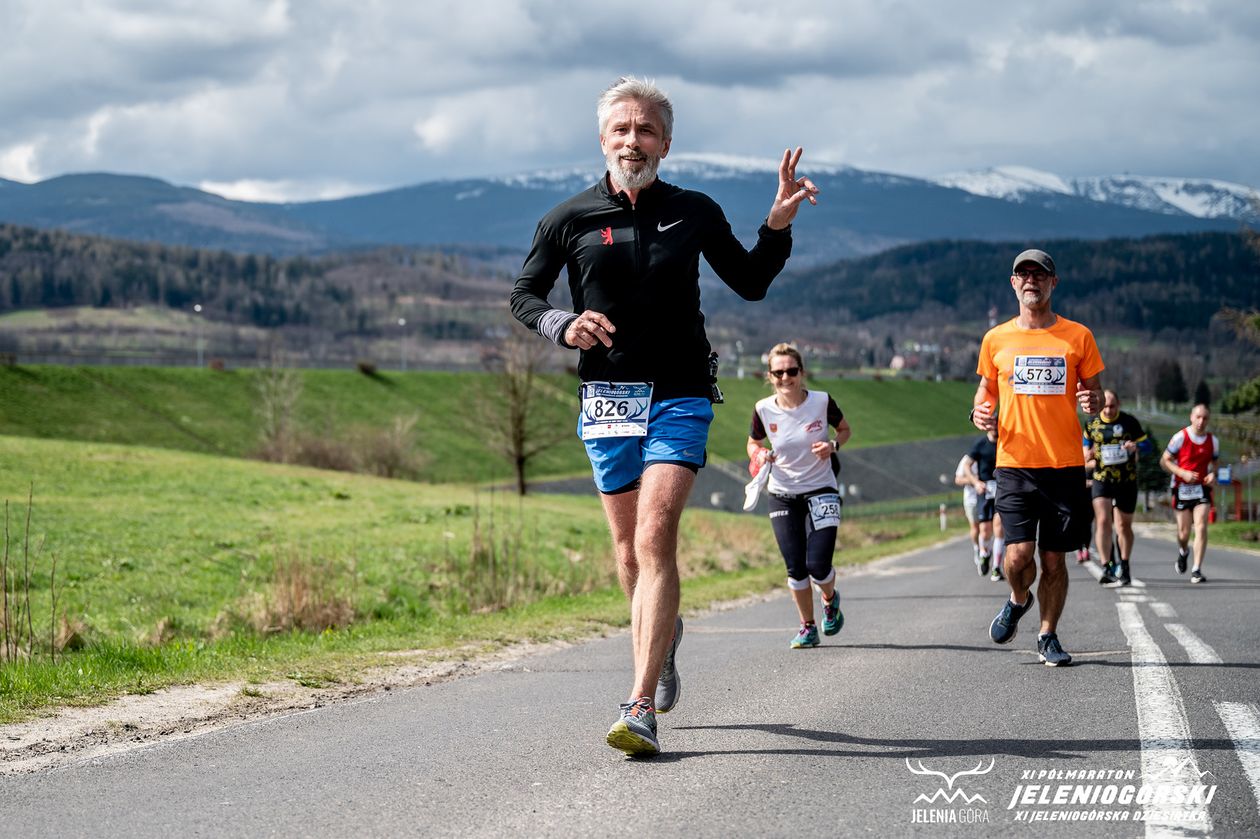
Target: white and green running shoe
pixel 635 732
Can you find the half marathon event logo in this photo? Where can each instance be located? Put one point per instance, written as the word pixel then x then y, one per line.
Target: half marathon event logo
pixel 1058 795
pixel 950 804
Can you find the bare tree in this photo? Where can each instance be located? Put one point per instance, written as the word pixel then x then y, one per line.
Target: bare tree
pixel 519 426
pixel 279 389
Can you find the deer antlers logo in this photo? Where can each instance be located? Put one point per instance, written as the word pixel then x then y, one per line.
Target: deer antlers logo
pixel 953 795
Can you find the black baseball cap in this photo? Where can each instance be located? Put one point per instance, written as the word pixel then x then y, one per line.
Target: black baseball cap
pixel 1033 255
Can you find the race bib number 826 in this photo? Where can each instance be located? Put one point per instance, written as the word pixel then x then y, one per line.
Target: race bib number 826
pixel 615 409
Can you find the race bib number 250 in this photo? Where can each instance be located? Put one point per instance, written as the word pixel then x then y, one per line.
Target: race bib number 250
pixel 824 510
pixel 615 409
pixel 1039 375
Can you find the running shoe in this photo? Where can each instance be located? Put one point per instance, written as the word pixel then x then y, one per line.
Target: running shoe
pixel 1082 555
pixel 983 565
pixel 1051 652
pixel 1125 579
pixel 833 618
pixel 1106 579
pixel 669 685
pixel 996 574
pixel 806 637
pixel 1180 564
pixel 635 732
pixel 1006 624
pixel 1196 576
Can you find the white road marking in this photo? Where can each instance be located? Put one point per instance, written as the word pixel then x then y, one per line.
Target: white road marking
pixel 1163 610
pixel 1164 731
pixel 1243 725
pixel 1196 648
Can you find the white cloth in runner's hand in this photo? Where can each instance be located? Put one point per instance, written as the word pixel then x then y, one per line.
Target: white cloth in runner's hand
pixel 752 489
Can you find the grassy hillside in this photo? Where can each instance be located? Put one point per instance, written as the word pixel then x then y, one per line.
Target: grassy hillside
pixel 174 566
pixel 880 412
pixel 214 412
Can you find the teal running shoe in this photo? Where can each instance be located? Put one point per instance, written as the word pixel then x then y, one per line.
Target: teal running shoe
pixel 833 618
pixel 806 637
pixel 635 732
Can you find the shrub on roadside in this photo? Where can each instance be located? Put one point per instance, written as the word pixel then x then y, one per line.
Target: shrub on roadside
pixel 303 595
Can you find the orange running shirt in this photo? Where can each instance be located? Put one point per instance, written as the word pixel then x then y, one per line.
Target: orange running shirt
pixel 1037 371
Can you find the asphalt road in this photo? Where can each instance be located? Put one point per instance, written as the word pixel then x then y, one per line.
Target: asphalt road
pixel 909 722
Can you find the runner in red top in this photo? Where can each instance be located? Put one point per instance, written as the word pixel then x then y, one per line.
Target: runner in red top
pixel 1191 459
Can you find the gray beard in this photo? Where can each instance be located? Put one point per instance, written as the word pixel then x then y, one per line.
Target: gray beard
pixel 631 180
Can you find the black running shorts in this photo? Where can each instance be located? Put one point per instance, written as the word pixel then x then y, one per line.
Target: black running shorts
pixel 1048 506
pixel 985 508
pixel 1124 493
pixel 1178 504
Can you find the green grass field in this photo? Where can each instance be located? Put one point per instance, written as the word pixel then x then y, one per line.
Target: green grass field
pixel 214 412
pixel 178 566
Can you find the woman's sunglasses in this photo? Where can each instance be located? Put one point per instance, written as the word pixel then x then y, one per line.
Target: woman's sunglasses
pixel 786 371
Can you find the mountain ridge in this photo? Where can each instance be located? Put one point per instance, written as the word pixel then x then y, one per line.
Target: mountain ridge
pixel 861 211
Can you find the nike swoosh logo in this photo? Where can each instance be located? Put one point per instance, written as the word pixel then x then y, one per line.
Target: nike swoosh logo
pixel 661 228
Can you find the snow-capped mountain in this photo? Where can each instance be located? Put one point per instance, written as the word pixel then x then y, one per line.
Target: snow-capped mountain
pixel 1197 197
pixel 859 212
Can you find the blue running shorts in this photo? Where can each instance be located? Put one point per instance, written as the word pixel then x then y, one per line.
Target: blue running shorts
pixel 678 431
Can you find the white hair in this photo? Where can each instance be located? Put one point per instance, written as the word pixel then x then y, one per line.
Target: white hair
pixel 628 87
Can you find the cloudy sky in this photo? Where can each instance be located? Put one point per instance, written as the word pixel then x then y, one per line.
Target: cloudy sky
pixel 274 100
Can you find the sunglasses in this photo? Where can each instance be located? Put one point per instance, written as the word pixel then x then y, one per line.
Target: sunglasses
pixel 786 371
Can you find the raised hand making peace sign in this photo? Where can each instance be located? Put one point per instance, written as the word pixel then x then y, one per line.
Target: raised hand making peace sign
pixel 792 191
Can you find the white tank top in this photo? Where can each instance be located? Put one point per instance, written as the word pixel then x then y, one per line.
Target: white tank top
pixel 792 431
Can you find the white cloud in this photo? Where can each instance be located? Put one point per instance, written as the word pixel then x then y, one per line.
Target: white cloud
pixel 18 163
pixel 283 191
pixel 262 97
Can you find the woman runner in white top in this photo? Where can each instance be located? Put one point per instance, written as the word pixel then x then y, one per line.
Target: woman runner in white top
pixel 804 501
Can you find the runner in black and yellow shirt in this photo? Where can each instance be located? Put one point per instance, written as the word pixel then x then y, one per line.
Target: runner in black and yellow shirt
pixel 1115 438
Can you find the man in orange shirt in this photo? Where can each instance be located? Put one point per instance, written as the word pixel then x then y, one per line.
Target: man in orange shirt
pixel 1038 367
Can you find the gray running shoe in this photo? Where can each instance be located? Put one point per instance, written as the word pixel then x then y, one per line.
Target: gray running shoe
pixel 635 732
pixel 669 685
pixel 1051 652
pixel 1006 624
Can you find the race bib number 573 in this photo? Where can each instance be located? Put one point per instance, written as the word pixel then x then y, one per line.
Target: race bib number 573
pixel 615 409
pixel 1039 375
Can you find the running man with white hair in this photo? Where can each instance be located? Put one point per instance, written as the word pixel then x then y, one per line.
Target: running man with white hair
pixel 631 245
